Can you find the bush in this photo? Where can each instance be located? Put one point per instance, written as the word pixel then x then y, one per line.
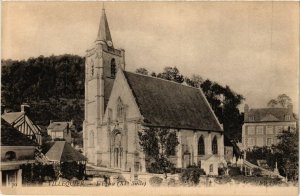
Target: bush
pixel 221 171
pixel 256 172
pixel 155 181
pixel 222 179
pixel 191 175
pixel 265 181
pixel 234 171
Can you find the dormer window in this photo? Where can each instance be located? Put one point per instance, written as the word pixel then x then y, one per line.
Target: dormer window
pixel 287 117
pixel 251 118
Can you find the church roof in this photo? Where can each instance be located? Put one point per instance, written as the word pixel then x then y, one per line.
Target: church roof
pixel 169 104
pixel 103 32
pixel 10 136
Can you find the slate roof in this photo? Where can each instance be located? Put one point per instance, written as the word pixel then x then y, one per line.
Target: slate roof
pixel 12 137
pixel 269 114
pixel 62 151
pixel 169 104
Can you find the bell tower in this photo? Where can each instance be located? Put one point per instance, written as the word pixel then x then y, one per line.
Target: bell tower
pixel 101 64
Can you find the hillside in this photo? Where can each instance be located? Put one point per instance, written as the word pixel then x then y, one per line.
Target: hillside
pixel 52 86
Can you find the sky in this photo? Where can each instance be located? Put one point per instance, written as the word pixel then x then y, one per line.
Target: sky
pixel 253 47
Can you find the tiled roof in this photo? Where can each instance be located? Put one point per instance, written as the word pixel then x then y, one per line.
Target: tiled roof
pixel 269 114
pixel 62 151
pixel 12 137
pixel 168 104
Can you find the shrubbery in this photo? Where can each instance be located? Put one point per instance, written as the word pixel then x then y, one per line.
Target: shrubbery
pixel 191 175
pixel 155 181
pixel 266 181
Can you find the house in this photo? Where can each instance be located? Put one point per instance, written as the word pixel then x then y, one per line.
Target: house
pixel 263 125
pixel 61 130
pixel 21 122
pixel 119 104
pixel 61 151
pixel 16 149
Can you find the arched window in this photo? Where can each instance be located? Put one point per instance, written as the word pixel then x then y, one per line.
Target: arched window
pixel 10 155
pixel 91 139
pixel 211 168
pixel 113 68
pixel 201 146
pixel 215 146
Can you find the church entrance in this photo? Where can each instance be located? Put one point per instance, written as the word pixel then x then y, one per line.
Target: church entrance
pixel 117 150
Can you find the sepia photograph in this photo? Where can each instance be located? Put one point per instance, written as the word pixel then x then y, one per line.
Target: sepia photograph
pixel 149 97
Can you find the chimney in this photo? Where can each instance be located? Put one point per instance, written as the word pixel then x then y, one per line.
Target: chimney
pixel 290 108
pixel 246 110
pixel 25 108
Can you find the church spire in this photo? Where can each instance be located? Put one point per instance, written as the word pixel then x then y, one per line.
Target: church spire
pixel 104 32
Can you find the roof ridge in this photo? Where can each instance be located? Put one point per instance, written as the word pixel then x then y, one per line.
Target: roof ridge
pixel 154 77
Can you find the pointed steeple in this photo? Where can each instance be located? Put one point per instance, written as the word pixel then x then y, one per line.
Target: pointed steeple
pixel 104 32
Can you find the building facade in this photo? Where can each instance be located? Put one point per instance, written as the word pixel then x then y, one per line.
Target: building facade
pixel 263 125
pixel 61 130
pixel 16 149
pixel 21 121
pixel 119 104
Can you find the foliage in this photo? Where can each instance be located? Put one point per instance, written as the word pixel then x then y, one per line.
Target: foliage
pixel 262 181
pixel 195 80
pixel 286 153
pixel 261 153
pixel 256 172
pixel 142 71
pixel 37 173
pixel 191 175
pixel 72 169
pixel 158 144
pixel 222 179
pixel 52 86
pixel 282 100
pixel 234 171
pixel 155 181
pixel 171 73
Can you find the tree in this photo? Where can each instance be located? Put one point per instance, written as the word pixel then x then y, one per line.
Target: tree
pixel 142 71
pixel 272 103
pixel 195 80
pixel 171 73
pixel 158 144
pixel 286 152
pixel 282 100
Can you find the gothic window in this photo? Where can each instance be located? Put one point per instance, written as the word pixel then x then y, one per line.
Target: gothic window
pixel 113 68
pixel 215 146
pixel 120 109
pixel 91 139
pixel 201 147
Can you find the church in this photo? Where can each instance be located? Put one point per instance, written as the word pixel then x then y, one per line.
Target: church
pixel 119 104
